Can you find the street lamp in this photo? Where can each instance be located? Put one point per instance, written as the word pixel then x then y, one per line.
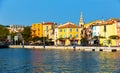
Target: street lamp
pixel 44 40
pixel 23 43
pixel 56 37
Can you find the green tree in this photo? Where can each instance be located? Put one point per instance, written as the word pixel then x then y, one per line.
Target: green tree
pixel 26 34
pixel 36 38
pixel 97 37
pixel 114 37
pixel 83 41
pixel 12 35
pixel 3 32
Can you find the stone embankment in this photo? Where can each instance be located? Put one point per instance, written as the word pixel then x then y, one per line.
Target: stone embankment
pixel 82 48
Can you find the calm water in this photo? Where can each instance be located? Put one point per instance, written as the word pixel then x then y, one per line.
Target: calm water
pixel 58 61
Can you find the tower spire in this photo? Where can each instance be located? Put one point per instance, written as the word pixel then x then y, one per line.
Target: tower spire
pixel 81 20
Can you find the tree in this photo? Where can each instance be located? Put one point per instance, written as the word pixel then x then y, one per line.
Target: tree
pixel 83 41
pixel 96 37
pixel 36 38
pixel 26 34
pixel 114 37
pixel 3 32
pixel 12 35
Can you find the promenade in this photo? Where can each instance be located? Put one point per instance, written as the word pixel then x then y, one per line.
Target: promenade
pixel 82 48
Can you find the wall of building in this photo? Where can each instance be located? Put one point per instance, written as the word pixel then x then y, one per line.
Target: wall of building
pixel 48 31
pixel 96 30
pixel 110 30
pixel 37 30
pixel 67 35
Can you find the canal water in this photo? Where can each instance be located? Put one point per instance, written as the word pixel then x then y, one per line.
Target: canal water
pixel 58 61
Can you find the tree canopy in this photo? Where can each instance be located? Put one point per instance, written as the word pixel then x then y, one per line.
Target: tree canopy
pixel 26 33
pixel 114 37
pixel 3 32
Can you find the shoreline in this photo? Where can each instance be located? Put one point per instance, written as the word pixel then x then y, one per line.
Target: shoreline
pixel 82 48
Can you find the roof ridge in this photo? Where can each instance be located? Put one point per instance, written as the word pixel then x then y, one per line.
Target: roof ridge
pixel 68 25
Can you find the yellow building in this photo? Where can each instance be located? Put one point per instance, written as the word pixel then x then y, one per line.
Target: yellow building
pixel 48 30
pixel 45 29
pixel 91 23
pixel 104 30
pixel 67 34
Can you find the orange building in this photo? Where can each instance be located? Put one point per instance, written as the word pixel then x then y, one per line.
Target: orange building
pixel 45 29
pixel 37 30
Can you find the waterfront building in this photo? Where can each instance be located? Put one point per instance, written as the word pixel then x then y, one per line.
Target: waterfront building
pixel 88 32
pixel 45 29
pixel 67 34
pixel 37 30
pixel 48 30
pixel 105 29
pixel 16 28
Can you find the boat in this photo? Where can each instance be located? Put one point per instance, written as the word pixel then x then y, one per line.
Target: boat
pixel 4 45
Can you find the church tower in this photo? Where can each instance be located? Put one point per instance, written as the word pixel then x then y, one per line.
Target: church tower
pixel 81 23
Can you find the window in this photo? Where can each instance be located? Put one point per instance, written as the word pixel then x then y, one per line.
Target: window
pixel 76 29
pixel 118 29
pixel 60 36
pixel 38 29
pixel 64 36
pixel 94 27
pixel 46 28
pixel 119 24
pixel 104 28
pixel 76 35
pixel 70 35
pixel 64 30
pixel 60 30
pixel 70 29
pixel 94 33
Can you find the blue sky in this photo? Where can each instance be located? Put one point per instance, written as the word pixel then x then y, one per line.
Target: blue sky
pixel 26 12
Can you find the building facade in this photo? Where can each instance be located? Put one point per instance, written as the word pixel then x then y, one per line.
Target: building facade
pixel 45 29
pixel 37 30
pixel 67 34
pixel 88 32
pixel 105 29
pixel 48 30
pixel 16 28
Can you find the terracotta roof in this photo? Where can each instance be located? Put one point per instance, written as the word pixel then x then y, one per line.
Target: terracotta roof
pixel 107 22
pixel 68 25
pixel 91 23
pixel 49 23
pixel 115 19
pixel 100 23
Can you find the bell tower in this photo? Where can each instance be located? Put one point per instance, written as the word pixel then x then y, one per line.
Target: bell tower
pixel 81 23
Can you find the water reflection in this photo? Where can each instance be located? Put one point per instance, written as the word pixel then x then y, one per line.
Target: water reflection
pixel 58 61
pixel 109 61
pixel 13 60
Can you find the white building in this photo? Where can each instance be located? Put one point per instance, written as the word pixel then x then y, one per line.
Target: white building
pixel 16 28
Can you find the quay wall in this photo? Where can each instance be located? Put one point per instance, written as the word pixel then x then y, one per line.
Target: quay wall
pixel 83 48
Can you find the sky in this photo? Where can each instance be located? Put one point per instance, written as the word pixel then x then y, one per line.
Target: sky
pixel 27 12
